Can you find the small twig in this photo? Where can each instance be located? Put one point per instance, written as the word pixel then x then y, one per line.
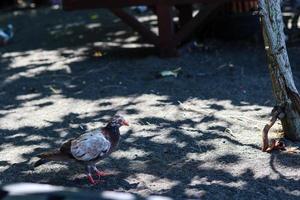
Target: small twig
pixel 189 129
pixel 229 131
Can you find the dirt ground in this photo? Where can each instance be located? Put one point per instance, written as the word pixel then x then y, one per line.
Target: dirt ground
pixel 194 136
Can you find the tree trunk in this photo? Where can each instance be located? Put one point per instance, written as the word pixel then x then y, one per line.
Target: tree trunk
pixel 284 88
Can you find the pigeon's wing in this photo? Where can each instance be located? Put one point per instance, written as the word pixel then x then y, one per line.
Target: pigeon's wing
pixel 90 146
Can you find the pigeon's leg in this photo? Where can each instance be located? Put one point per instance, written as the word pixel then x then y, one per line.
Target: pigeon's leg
pixel 89 175
pixel 99 173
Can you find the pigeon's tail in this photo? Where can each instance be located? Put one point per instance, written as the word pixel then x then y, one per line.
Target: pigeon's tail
pixel 40 162
pixel 50 156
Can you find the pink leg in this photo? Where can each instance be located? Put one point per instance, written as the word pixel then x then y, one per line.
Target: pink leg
pixel 100 173
pixel 89 175
pixel 91 180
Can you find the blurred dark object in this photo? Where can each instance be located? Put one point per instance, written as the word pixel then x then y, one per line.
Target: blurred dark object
pixel 169 36
pixel 238 26
pixel 26 4
pixel 6 35
pixel 36 191
pixel 291 14
pixel 7 3
pixel 236 21
pixel 242 6
pixel 39 3
pixel 56 2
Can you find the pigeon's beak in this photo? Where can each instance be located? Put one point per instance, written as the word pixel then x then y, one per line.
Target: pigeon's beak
pixel 125 123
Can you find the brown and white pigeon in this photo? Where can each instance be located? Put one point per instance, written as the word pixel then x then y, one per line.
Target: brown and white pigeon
pixel 88 148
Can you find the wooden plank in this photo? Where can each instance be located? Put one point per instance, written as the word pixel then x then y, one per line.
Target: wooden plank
pixel 185 13
pixel 166 31
pixel 167 41
pixel 136 25
pixel 93 4
pixel 197 22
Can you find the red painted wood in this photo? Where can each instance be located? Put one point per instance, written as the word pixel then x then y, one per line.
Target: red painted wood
pixel 167 41
pixel 92 4
pixel 185 14
pixel 197 22
pixel 166 31
pixel 136 25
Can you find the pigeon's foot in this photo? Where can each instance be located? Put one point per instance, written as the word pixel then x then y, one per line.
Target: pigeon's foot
pixel 101 173
pixel 91 179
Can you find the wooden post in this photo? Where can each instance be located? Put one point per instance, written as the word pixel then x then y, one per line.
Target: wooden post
pixel 136 25
pixel 185 14
pixel 198 22
pixel 284 89
pixel 166 30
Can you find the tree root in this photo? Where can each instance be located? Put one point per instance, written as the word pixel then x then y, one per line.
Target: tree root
pixel 277 113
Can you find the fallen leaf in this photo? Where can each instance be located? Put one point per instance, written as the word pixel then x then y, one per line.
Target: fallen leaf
pixel 292 150
pixel 229 131
pixel 98 54
pixel 55 91
pixel 230 65
pixel 94 16
pixel 81 127
pixel 171 72
pixel 222 66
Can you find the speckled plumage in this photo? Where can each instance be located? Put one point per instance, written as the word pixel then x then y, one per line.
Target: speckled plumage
pixel 89 147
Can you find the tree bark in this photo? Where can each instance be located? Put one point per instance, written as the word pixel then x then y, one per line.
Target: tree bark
pixel 284 89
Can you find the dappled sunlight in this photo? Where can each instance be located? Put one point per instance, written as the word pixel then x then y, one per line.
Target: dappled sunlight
pixel 57 29
pixel 205 181
pixel 154 183
pixel 195 135
pixel 39 61
pixel 14 154
pixel 93 25
pixel 132 44
pixel 170 137
pixel 128 154
pixel 31 114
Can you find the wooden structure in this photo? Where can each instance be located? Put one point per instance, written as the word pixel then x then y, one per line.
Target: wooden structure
pixel 240 6
pixel 167 40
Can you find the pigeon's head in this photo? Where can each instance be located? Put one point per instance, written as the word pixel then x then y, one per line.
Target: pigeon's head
pixel 118 121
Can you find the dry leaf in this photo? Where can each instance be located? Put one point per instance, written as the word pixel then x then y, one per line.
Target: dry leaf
pixel 98 54
pixel 170 72
pixel 55 91
pixel 93 17
pixel 229 131
pixel 292 150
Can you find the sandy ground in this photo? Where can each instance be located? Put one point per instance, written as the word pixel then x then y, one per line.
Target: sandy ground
pixel 52 88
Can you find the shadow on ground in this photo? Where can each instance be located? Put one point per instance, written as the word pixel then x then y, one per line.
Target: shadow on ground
pixel 54 88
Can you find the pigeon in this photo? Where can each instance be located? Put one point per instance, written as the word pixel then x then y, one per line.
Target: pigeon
pixel 6 35
pixel 88 148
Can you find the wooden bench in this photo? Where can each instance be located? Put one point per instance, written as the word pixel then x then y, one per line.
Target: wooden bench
pixel 167 40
